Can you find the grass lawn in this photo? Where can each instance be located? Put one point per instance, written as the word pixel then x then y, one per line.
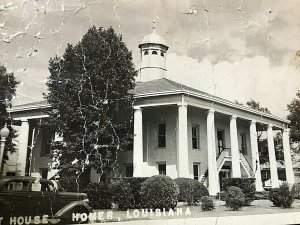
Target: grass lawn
pixel 257 207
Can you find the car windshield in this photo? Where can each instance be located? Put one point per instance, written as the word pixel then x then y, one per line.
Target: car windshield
pixel 17 186
pixel 25 185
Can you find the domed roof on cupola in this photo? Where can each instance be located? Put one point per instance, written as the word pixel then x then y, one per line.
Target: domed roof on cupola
pixel 153 38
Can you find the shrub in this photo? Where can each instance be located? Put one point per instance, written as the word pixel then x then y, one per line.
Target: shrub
pixel 246 184
pixel 190 190
pixel 221 195
pixel 98 195
pixel 296 190
pixel 234 198
pixel 274 196
pixel 121 194
pixel 261 195
pixel 207 203
pixel 159 192
pixel 282 196
pixel 135 184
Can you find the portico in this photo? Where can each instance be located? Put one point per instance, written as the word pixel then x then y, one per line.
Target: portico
pixel 186 109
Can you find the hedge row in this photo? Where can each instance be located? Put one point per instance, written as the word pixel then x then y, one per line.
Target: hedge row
pixel 158 191
pixel 124 192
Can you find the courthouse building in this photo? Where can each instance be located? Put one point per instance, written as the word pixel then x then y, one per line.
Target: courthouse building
pixel 178 131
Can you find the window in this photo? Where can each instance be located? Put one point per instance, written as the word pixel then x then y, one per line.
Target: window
pixel 162 54
pixel 196 170
pixel 17 186
pixel 243 144
pixel 221 144
pixel 10 174
pixel 195 136
pixel 146 52
pixel 162 135
pixel 46 143
pixel 129 170
pixel 154 52
pixel 162 170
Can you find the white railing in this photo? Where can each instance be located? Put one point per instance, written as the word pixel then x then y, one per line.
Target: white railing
pixel 246 164
pixel 223 157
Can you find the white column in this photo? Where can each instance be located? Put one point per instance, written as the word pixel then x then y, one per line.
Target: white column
pixel 255 156
pixel 182 148
pixel 138 143
pixel 235 154
pixel 23 146
pixel 287 157
pixel 272 158
pixel 211 154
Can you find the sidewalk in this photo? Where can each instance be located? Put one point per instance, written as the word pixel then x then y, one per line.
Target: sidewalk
pixel 263 219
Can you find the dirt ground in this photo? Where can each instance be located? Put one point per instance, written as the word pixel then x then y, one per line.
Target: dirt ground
pixel 257 207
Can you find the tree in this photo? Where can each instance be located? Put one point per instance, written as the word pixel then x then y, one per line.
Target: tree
pixel 294 117
pixel 263 149
pixel 8 86
pixel 256 105
pixel 91 108
pixel 262 142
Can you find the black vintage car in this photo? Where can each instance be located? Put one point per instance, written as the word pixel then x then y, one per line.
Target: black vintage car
pixel 30 200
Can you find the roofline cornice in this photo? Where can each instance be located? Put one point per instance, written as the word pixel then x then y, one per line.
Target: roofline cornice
pixel 29 107
pixel 214 99
pixel 163 93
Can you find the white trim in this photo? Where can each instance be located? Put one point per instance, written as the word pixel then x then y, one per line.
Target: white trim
pixel 31 117
pixel 19 108
pixel 205 107
pixel 158 104
pixel 214 99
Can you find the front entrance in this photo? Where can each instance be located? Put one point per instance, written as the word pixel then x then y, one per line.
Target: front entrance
pixel 224 173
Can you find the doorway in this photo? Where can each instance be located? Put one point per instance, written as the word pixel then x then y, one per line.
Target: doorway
pixel 224 173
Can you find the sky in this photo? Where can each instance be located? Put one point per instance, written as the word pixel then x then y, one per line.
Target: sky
pixel 235 49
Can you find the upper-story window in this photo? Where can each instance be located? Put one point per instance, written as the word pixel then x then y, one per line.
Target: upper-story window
pixel 162 135
pixel 154 52
pixel 146 52
pixel 243 143
pixel 162 54
pixel 46 143
pixel 195 136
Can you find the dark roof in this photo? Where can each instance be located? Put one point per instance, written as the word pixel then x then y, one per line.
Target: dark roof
pixel 163 85
pixel 166 85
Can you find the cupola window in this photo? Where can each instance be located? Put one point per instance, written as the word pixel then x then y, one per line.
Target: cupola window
pixel 162 54
pixel 154 52
pixel 146 52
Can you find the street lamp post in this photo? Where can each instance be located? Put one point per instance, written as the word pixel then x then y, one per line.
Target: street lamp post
pixel 4 132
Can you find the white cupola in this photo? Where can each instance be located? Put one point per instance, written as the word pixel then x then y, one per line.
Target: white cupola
pixel 153 50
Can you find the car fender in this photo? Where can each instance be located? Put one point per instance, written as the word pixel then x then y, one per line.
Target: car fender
pixel 64 212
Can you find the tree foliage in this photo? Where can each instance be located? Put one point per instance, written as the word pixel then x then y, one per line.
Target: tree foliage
pixel 8 86
pixel 91 108
pixel 256 105
pixel 263 142
pixel 294 117
pixel 263 149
